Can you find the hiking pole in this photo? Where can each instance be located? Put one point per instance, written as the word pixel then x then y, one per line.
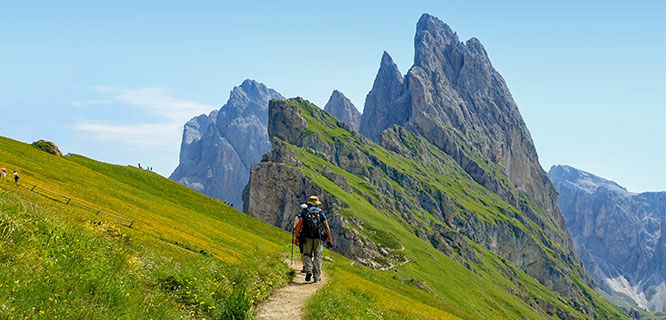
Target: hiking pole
pixel 292 246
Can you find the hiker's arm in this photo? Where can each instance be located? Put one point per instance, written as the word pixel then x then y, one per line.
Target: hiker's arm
pixel 328 231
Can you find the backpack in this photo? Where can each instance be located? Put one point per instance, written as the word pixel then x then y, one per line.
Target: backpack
pixel 313 226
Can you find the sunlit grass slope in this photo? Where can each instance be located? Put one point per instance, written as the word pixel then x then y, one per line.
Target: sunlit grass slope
pixel 186 255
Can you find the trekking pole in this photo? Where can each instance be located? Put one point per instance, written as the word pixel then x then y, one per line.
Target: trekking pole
pixel 292 246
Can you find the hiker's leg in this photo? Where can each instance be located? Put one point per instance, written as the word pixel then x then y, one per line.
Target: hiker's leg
pixel 300 248
pixel 308 251
pixel 318 251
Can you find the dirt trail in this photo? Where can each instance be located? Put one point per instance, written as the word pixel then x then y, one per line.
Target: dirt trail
pixel 288 302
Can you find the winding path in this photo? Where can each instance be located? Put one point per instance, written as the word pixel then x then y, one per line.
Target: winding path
pixel 288 302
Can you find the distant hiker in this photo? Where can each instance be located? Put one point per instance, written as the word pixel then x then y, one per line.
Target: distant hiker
pixel 315 230
pixel 139 165
pixel 16 177
pixel 4 173
pixel 300 240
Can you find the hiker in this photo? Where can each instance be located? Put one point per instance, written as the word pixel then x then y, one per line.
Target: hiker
pixel 315 230
pixel 16 177
pixel 298 239
pixel 4 173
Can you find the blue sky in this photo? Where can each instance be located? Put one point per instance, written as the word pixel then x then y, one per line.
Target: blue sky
pixel 117 81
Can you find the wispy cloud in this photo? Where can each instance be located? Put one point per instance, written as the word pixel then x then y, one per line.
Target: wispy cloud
pixel 162 132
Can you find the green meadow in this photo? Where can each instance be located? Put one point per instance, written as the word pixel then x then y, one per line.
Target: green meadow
pixel 190 256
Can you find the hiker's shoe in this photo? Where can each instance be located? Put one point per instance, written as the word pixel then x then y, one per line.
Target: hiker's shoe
pixel 317 280
pixel 303 270
pixel 308 276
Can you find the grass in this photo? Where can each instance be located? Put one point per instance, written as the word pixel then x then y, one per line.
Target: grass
pixel 179 236
pixel 181 245
pixel 54 269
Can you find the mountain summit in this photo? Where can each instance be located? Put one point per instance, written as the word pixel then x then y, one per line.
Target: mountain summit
pixel 454 98
pixel 218 149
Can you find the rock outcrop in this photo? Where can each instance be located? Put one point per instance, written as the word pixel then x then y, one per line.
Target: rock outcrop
pixel 619 235
pixel 218 149
pixel 48 146
pixel 339 106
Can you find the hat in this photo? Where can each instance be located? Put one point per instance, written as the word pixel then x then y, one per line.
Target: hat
pixel 314 201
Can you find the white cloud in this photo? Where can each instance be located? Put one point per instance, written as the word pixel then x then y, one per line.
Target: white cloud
pixel 169 114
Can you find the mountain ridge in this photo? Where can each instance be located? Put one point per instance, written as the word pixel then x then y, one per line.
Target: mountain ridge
pixel 620 235
pixel 384 207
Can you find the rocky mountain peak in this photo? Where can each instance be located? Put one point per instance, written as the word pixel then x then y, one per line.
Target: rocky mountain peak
pixel 251 95
pixel 434 26
pixel 381 110
pixel 342 108
pixel 433 37
pixel 218 149
pixel 454 97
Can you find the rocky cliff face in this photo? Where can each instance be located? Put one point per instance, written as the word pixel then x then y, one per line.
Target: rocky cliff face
pixel 454 97
pixel 618 234
pixel 340 107
pixel 218 149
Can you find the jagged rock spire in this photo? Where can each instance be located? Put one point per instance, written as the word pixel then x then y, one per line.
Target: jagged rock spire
pixel 342 108
pixel 381 111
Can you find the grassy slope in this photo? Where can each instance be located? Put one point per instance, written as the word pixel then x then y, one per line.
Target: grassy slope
pixel 81 265
pixel 485 293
